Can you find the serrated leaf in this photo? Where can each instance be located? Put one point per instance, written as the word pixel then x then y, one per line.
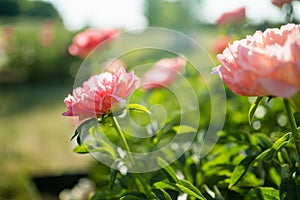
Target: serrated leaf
pixel 241 170
pixel 168 169
pixel 81 149
pixel 262 193
pixel 182 129
pixel 253 108
pixel 138 107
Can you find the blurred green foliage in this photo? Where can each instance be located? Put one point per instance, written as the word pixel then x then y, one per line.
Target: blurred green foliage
pixel 36 50
pixel 34 43
pixel 13 8
pixel 178 15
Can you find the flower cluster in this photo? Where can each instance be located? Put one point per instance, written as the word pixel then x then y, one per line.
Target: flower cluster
pixel 102 91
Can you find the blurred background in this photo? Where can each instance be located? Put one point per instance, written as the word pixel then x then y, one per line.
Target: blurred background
pixel 37 72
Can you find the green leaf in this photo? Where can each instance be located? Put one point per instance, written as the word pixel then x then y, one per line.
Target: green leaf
pixel 263 140
pixel 188 191
pixel 185 188
pixel 268 154
pixel 81 149
pixel 168 169
pixel 78 140
pixel 241 170
pixel 138 107
pixel 253 108
pixel 134 196
pixel 160 194
pixel 288 186
pixel 183 129
pixel 191 187
pixel 165 185
pixel 113 177
pixel 262 193
pixel 75 134
pixel 83 127
pixel 281 142
pixel 103 143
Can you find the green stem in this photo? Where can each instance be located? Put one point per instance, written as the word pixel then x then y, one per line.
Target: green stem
pixel 137 178
pixel 123 140
pixel 293 124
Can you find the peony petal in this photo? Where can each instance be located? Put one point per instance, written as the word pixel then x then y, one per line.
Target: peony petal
pixel 277 88
pixel 96 96
pixel 265 64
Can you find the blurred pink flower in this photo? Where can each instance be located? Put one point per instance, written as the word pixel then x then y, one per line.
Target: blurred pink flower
pixel 7 37
pixel 234 16
pixel 164 72
pixel 220 43
pixel 265 64
pixel 100 93
pixel 47 33
pixel 84 42
pixel 114 65
pixel 280 3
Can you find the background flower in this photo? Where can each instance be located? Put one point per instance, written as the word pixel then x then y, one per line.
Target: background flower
pixel 220 43
pixel 280 2
pixel 113 65
pixel 100 92
pixel 84 42
pixel 234 16
pixel 265 64
pixel 164 72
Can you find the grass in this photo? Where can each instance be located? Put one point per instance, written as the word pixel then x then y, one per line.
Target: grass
pixel 35 137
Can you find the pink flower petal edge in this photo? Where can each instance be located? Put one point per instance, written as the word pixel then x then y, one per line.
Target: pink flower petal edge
pixel 264 64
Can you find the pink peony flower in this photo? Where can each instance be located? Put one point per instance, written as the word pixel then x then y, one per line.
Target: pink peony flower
pixel 163 72
pixel 234 16
pixel 280 3
pixel 219 44
pixel 86 41
pixel 100 93
pixel 265 64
